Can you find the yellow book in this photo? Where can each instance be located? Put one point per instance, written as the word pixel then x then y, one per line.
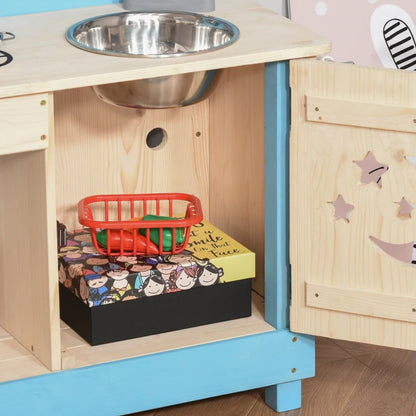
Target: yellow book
pixel 207 242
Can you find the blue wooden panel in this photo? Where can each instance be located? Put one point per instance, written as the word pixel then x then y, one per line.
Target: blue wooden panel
pixel 277 127
pixel 162 379
pixel 286 396
pixel 9 8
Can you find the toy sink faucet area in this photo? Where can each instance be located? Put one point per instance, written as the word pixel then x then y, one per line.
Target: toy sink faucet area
pixel 200 6
pixel 155 34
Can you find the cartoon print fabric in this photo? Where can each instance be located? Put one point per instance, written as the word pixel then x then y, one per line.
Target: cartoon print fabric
pixel 100 280
pixel 376 33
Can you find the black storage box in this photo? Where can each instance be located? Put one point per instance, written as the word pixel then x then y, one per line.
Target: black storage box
pixel 113 298
pixel 148 316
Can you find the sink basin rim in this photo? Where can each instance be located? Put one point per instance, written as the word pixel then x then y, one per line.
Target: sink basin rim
pixel 70 37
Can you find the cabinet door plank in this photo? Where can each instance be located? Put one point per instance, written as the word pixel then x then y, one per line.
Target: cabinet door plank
pixel 361 114
pixel 356 256
pixel 402 308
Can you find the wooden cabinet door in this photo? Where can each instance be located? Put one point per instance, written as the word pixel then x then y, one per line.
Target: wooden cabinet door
pixel 353 203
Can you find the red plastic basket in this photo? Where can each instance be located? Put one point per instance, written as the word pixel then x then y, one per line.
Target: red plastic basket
pixel 133 237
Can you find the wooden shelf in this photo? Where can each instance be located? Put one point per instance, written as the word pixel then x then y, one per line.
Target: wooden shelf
pixel 17 362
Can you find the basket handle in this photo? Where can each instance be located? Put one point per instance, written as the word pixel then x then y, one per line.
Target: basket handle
pixel 191 210
pixel 84 211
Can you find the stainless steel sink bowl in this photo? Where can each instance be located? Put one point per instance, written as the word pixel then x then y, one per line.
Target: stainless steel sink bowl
pixel 154 35
pixel 160 92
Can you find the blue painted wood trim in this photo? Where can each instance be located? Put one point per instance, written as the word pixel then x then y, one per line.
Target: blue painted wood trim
pixel 10 8
pixel 277 127
pixel 163 379
pixel 285 396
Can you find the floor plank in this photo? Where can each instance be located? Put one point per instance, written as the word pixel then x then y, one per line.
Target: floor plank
pixel 333 387
pixel 230 405
pixel 328 351
pixel 378 396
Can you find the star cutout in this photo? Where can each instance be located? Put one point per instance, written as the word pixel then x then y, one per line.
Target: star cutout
pixel 371 169
pixel 406 208
pixel 342 209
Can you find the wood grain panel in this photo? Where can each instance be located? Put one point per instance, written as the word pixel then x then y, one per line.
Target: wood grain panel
pixel 333 252
pixel 401 308
pixel 237 160
pixel 361 114
pixel 101 149
pixel 54 64
pixel 28 264
pixel 24 123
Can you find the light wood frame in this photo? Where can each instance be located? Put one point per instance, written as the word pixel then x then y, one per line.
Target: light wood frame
pixel 259 355
pixel 239 98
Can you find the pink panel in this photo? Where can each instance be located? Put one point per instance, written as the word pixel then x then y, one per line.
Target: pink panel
pixel 367 32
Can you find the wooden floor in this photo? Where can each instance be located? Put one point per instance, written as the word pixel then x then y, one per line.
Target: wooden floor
pixel 351 380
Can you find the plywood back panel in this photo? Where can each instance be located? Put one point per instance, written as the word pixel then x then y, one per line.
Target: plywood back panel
pixel 102 149
pixel 338 253
pixel 237 159
pixel 214 149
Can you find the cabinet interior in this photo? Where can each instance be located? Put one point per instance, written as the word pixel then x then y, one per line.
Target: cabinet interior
pixel 213 149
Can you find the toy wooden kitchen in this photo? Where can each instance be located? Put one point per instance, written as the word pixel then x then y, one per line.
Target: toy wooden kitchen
pixel 60 143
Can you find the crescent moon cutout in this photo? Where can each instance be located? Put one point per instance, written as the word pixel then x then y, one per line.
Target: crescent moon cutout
pixel 401 252
pixel 411 159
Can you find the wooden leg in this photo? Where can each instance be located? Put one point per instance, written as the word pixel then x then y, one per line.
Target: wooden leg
pixel 285 396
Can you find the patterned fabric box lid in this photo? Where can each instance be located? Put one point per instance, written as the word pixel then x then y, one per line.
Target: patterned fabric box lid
pixel 211 257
